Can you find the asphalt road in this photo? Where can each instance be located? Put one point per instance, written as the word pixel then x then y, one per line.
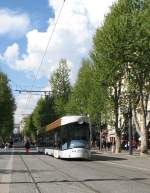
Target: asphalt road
pixel 104 173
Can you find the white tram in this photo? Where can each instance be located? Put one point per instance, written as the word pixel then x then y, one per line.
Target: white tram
pixel 67 137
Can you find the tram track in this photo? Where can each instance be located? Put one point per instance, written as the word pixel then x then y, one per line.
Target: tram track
pixel 49 182
pixel 30 174
pixel 121 167
pixel 73 179
pixel 123 178
pixel 69 176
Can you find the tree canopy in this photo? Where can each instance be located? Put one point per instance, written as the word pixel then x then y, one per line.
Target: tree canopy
pixel 61 87
pixel 42 115
pixel 7 107
pixel 78 102
pixel 121 57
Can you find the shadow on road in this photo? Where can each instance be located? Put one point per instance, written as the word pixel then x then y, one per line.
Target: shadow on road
pixel 101 157
pixel 94 156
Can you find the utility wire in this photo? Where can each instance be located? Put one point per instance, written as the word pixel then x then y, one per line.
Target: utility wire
pixel 45 51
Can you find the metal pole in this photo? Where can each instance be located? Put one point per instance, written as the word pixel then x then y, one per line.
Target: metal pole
pixel 90 127
pixel 100 142
pixel 100 134
pixel 130 129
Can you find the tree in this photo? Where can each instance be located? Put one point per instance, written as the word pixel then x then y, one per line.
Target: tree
pixel 61 87
pixel 7 107
pixel 98 99
pixel 42 115
pixel 120 45
pixel 86 97
pixel 79 99
pixel 109 42
pixel 138 57
pixel 44 112
pixel 29 128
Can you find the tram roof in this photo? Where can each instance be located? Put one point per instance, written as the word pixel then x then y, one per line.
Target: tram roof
pixel 66 120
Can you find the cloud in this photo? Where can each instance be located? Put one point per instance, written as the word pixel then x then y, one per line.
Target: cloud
pixel 72 38
pixel 11 54
pixel 23 108
pixel 13 23
pixel 26 103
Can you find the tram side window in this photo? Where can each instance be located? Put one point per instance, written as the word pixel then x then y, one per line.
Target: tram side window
pixel 64 138
pixel 57 139
pixel 44 140
pixel 51 139
pixel 40 140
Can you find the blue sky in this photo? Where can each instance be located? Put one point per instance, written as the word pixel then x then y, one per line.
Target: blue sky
pixel 25 27
pixel 39 13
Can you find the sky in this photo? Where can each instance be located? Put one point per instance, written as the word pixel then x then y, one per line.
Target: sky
pixel 25 29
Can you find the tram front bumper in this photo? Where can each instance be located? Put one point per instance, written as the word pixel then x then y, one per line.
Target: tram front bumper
pixel 80 153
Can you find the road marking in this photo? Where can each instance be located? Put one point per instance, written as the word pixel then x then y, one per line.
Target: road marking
pixel 6 178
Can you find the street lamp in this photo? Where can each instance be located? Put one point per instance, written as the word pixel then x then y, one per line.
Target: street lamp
pixel 128 117
pixel 127 70
pixel 100 133
pixel 130 128
pixel 90 127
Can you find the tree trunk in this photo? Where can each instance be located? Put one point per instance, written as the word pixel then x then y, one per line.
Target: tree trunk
pixel 144 137
pixel 118 144
pixel 135 119
pixel 117 130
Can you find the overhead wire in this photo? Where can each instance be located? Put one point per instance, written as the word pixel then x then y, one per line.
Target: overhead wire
pixel 44 54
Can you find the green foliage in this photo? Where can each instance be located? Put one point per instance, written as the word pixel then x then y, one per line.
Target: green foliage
pixel 80 100
pixel 108 55
pixel 61 87
pixel 123 41
pixel 121 55
pixel 7 107
pixel 29 129
pixel 138 57
pixel 44 113
pixel 99 102
pixel 48 109
pixel 87 96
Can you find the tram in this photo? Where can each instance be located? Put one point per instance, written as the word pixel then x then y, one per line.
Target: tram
pixel 67 137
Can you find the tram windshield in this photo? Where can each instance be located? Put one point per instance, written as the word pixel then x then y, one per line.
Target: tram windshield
pixel 75 135
pixel 78 144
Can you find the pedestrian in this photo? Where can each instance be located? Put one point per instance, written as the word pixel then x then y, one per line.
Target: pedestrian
pixel 27 146
pixel 108 145
pixel 104 144
pixel 2 145
pixel 6 146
